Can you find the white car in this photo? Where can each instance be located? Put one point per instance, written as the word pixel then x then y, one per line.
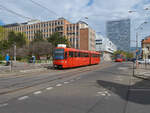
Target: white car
pixel 144 61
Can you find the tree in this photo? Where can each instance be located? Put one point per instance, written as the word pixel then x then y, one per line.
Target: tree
pixel 40 48
pixel 56 39
pixel 18 39
pixel 7 45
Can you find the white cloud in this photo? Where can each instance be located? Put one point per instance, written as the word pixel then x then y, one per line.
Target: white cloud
pixel 98 13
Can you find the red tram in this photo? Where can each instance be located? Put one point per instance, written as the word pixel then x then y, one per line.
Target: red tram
pixel 69 57
pixel 119 58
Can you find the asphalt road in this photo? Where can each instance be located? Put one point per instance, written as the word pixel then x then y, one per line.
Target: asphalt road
pixel 89 90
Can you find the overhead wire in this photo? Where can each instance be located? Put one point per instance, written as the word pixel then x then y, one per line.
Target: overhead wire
pixel 15 13
pixel 36 3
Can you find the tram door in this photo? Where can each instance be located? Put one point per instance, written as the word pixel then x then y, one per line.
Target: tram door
pixel 70 59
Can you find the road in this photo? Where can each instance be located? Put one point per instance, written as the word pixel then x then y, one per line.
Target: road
pixel 91 89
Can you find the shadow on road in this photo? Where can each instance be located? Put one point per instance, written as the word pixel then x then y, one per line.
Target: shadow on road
pixel 132 93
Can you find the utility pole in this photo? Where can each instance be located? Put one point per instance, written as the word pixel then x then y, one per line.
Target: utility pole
pixel 15 52
pixel 136 44
pixel 136 49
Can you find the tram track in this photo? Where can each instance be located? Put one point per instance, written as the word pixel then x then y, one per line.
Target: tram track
pixel 32 83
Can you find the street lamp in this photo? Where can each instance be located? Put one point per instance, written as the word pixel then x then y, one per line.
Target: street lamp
pixel 146 8
pixel 139 27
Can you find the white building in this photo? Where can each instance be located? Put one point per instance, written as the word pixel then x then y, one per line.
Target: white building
pixel 105 46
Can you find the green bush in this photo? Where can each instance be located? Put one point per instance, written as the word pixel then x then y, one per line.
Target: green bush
pixel 1 57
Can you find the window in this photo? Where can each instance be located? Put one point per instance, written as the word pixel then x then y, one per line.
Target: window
pixel 70 54
pixel 65 55
pixel 76 54
pixel 79 54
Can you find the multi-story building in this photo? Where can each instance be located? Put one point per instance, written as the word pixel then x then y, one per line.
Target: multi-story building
pixel 87 40
pixel 72 31
pixel 105 46
pixel 119 33
pixel 146 48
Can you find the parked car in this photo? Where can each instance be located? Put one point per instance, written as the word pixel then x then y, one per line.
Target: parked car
pixel 144 61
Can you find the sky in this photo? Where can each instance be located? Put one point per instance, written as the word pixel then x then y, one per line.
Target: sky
pixel 97 11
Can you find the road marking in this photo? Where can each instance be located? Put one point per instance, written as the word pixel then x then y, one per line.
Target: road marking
pixel 103 94
pixel 100 92
pixel 23 98
pixel 105 91
pixel 49 88
pixel 37 92
pixel 3 105
pixel 66 82
pixel 122 68
pixel 58 85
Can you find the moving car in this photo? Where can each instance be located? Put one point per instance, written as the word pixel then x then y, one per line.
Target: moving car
pixel 144 61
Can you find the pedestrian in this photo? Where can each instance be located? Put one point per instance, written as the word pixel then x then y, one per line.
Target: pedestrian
pixel 7 58
pixel 33 57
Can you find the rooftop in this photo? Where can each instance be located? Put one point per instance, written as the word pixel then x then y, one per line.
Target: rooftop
pixel 146 40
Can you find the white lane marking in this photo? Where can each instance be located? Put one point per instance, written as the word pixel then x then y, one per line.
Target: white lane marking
pixel 3 105
pixel 103 94
pixel 100 92
pixel 23 98
pixel 106 92
pixel 37 92
pixel 66 82
pixel 49 88
pixel 59 85
pixel 122 68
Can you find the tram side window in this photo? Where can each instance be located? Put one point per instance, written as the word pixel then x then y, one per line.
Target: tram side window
pixel 93 55
pixel 79 54
pixel 76 54
pixel 86 55
pixel 70 54
pixel 82 54
pixel 65 55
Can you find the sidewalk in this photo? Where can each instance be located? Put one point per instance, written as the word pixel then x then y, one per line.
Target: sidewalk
pixel 143 71
pixel 23 67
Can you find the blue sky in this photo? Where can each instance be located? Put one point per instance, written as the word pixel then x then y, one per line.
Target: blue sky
pixel 97 11
pixel 1 23
pixel 90 2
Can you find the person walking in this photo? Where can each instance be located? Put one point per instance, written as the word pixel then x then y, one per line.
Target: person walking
pixel 33 57
pixel 7 58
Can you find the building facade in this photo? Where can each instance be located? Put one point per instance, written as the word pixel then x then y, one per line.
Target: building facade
pixel 146 48
pixel 87 40
pixel 61 25
pixel 119 33
pixel 105 46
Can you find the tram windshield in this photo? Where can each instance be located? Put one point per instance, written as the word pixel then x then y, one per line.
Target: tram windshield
pixel 59 54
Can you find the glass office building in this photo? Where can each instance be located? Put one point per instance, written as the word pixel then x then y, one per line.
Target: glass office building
pixel 119 33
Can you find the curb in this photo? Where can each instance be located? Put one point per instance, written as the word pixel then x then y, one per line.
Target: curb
pixel 142 77
pixel 23 72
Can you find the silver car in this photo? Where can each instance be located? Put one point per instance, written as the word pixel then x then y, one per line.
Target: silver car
pixel 144 61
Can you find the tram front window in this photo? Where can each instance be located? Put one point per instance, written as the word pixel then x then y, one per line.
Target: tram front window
pixel 59 54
